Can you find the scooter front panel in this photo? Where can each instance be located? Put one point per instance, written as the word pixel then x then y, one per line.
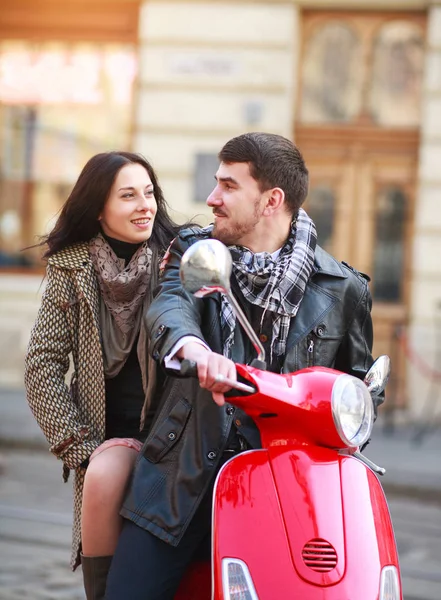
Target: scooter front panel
pixel 268 528
pixel 370 540
pixel 308 486
pixel 247 524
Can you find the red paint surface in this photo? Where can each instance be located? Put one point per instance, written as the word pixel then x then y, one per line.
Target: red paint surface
pixel 269 503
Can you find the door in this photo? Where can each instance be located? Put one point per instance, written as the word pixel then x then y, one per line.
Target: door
pixel 359 135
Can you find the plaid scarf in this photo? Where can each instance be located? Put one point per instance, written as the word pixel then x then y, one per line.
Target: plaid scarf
pixel 277 285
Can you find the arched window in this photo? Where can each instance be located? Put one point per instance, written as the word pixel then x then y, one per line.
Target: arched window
pixel 332 74
pixel 397 71
pixel 389 244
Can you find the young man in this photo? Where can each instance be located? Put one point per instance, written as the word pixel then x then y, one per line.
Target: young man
pixel 307 308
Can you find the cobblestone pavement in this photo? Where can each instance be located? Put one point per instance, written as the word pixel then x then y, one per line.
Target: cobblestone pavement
pixel 417 528
pixel 35 520
pixel 35 572
pixel 35 530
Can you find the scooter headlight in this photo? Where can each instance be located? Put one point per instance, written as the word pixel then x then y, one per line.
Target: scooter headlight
pixel 353 410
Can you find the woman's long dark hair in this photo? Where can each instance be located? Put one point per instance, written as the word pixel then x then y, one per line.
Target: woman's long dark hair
pixel 78 219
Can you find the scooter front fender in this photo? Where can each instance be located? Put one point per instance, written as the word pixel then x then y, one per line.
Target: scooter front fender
pixel 307 522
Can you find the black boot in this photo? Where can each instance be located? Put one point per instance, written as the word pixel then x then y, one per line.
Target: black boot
pixel 95 570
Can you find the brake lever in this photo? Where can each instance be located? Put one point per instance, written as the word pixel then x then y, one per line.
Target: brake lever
pixel 243 387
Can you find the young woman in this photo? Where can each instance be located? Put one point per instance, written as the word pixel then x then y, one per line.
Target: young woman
pixel 102 263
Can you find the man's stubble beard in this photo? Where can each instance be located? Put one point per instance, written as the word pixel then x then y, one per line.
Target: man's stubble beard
pixel 231 235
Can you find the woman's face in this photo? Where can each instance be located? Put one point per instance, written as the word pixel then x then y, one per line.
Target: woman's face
pixel 130 209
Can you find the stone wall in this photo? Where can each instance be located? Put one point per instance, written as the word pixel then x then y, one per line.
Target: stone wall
pixel 210 71
pixel 425 330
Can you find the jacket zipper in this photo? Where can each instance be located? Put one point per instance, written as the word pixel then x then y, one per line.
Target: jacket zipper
pixel 310 355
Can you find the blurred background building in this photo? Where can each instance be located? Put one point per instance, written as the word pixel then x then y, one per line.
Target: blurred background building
pixel 356 84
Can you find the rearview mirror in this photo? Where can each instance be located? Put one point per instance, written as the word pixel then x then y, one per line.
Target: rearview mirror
pixel 378 375
pixel 206 268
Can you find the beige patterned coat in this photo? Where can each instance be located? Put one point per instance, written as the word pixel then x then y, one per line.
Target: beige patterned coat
pixel 67 328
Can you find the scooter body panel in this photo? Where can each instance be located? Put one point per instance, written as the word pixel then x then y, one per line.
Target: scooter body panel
pixel 308 522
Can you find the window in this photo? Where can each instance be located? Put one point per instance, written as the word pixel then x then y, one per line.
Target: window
pixel 320 206
pixel 205 170
pixel 389 244
pixel 331 75
pixel 397 75
pixel 362 69
pixel 59 104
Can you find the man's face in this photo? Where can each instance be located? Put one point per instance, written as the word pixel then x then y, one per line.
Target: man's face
pixel 237 205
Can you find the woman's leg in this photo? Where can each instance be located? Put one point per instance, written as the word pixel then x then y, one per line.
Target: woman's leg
pixel 106 480
pixel 105 483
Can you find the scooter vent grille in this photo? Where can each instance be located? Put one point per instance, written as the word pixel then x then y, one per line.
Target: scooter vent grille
pixel 319 555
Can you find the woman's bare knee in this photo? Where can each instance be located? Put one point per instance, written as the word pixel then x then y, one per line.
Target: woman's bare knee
pixel 106 480
pixel 108 473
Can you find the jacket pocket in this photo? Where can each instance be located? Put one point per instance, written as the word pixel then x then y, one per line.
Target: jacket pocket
pixel 167 433
pixel 322 345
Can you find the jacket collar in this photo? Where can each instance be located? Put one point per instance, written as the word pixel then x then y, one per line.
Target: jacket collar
pixel 73 257
pixel 76 258
pixel 325 264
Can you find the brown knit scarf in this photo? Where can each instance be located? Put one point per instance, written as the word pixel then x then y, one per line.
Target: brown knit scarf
pixel 122 287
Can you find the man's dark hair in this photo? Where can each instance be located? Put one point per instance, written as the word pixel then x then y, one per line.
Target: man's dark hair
pixel 274 162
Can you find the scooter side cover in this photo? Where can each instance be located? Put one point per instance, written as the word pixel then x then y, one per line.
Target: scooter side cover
pixel 270 504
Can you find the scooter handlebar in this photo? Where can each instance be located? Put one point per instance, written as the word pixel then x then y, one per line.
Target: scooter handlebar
pixel 189 368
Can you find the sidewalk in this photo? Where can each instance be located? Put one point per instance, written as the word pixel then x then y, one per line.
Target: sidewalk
pixel 412 470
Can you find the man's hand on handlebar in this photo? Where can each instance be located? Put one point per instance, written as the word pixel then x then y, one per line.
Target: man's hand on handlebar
pixel 210 365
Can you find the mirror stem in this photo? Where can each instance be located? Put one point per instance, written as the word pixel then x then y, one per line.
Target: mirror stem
pixel 249 330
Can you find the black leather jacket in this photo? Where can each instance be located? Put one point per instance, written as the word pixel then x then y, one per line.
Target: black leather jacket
pixel 184 447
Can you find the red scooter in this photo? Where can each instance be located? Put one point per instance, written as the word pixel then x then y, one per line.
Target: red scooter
pixel 305 517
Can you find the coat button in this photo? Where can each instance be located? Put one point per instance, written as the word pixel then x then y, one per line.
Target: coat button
pixel 230 410
pixel 321 330
pixel 263 338
pixel 211 455
pixel 238 422
pixel 155 355
pixel 172 436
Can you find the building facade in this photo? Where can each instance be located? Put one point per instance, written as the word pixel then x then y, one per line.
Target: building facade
pixel 357 85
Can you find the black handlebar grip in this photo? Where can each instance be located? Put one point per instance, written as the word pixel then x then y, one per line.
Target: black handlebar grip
pixel 189 368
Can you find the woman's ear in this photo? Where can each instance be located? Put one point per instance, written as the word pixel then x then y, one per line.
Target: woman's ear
pixel 275 199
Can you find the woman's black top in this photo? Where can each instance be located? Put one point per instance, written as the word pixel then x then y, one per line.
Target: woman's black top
pixel 125 392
